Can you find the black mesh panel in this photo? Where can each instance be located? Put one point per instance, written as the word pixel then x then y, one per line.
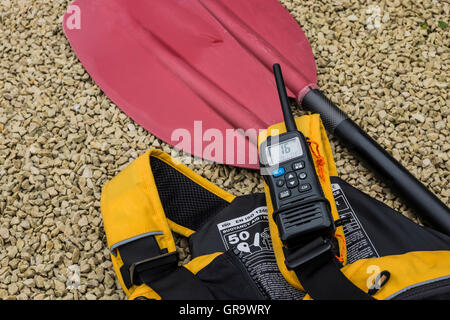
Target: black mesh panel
pixel 184 201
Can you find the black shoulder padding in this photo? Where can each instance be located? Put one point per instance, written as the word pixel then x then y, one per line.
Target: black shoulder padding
pixel 184 201
pixel 234 283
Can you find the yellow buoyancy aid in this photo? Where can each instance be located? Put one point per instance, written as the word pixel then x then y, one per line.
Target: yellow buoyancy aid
pixel 235 252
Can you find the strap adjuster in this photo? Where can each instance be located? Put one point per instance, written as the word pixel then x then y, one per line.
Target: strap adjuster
pixel 317 251
pixel 154 267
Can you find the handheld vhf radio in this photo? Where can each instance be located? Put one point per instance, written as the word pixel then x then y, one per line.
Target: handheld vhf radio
pixel 301 211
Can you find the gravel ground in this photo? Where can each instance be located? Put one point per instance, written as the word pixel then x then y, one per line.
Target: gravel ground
pixel 385 63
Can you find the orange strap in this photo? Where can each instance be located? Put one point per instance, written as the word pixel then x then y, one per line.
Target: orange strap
pixel 341 252
pixel 320 161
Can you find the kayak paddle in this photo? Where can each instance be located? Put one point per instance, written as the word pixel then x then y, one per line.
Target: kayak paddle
pixel 193 72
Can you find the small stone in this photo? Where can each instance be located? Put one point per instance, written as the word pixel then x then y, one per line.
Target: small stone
pixel 25 224
pixel 19 244
pixel 97 174
pixel 3 294
pixel 60 288
pixel 39 281
pixel 426 162
pixel 332 49
pixel 11 252
pixel 433 136
pixel 76 255
pixel 440 125
pixel 98 246
pixel 29 282
pixel 83 221
pixel 13 289
pixel 87 173
pixel 58 258
pixel 418 117
pixel 4 233
pixel 90 296
pixel 85 268
pixel 15 220
pixel 39 296
pixel 22 296
pixel 109 281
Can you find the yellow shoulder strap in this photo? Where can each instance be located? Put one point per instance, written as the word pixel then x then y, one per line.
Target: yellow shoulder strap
pixel 132 209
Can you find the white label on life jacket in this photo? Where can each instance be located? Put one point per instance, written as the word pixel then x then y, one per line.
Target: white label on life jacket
pixel 359 245
pixel 246 232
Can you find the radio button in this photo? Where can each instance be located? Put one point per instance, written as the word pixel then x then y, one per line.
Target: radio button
pixel 280 183
pixel 284 194
pixel 304 187
pixel 298 165
pixel 292 183
pixel 290 175
pixel 302 175
pixel 278 172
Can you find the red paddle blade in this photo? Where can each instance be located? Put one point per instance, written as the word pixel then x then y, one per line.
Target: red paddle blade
pixel 196 74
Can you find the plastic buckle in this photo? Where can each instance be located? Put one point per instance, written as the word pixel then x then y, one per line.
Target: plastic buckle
pixel 161 264
pixel 317 251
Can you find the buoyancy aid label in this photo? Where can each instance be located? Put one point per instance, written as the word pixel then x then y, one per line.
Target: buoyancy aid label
pixel 249 236
pixel 245 232
pixel 359 245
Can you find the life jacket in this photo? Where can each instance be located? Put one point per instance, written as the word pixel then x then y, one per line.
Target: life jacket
pixel 235 251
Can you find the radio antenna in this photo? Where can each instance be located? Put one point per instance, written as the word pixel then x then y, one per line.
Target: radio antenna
pixel 287 114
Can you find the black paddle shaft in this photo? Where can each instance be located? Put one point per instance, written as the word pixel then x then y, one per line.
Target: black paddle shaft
pixel 433 211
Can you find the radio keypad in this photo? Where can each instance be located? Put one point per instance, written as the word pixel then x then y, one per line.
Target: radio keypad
pixel 289 181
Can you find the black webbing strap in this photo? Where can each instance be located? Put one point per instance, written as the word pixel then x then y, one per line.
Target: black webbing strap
pixel 135 251
pixel 145 262
pixel 319 273
pixel 180 284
